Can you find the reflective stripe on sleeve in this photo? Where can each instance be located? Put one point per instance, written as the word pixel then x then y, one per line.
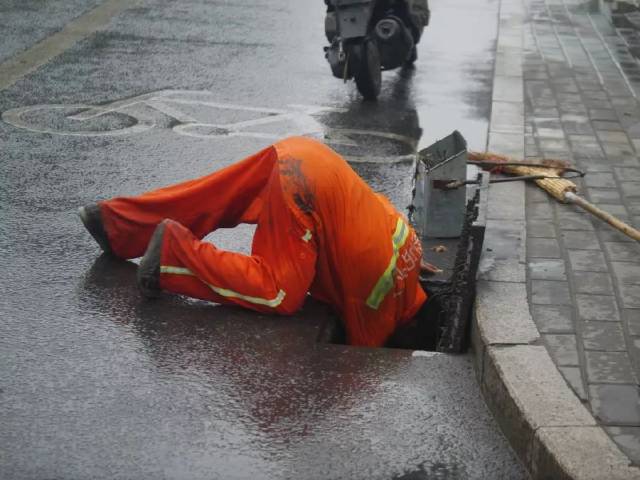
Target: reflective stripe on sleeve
pixel 385 282
pixel 224 292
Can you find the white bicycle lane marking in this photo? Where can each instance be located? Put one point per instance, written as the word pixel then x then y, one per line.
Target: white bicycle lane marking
pixel 300 119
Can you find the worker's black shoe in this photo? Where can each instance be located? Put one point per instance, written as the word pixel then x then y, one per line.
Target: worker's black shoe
pixel 149 268
pixel 92 220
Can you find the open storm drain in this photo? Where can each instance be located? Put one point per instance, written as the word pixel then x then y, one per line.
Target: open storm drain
pixel 451 224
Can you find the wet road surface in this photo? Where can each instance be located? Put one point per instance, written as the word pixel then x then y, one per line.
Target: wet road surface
pixel 96 382
pixel 25 22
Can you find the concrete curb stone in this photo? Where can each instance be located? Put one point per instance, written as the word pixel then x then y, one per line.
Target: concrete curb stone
pixel 550 429
pixel 564 453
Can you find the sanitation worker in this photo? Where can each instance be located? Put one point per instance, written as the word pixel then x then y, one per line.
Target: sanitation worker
pixel 320 230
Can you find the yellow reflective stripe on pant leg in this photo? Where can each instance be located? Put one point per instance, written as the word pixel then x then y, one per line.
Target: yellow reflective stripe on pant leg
pixel 226 292
pixel 385 282
pixel 176 270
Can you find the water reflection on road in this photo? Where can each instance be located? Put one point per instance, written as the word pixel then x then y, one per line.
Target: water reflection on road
pixel 97 383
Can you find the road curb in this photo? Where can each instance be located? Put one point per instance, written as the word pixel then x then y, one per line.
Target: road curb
pixel 554 435
pixel 552 432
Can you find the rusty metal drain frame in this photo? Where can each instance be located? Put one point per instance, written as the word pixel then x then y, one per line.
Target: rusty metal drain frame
pixel 454 290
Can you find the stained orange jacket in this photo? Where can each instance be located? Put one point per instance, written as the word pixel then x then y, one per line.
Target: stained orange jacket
pixel 368 256
pixel 320 229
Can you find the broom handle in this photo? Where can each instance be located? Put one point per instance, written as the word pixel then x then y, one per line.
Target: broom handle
pixel 602 215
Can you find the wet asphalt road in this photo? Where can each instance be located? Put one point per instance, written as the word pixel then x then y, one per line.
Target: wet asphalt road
pixel 95 382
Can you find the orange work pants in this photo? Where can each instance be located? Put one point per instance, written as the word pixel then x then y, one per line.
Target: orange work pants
pixel 274 278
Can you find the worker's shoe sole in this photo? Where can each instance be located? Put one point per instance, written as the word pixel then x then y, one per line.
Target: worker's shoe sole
pixel 92 220
pixel 149 268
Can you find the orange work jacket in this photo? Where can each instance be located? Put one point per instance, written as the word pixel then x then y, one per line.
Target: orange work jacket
pixel 368 255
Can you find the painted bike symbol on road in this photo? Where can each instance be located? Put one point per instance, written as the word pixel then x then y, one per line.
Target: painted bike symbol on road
pixel 196 114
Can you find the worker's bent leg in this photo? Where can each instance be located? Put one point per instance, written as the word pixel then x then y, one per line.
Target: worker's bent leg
pixel 199 269
pixel 222 199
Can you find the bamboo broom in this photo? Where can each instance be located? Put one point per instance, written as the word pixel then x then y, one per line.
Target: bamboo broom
pixel 561 189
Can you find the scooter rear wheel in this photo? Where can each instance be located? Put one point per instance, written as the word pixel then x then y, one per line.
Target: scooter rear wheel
pixel 368 76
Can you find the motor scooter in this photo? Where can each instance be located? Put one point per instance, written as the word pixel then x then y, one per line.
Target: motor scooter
pixel 369 36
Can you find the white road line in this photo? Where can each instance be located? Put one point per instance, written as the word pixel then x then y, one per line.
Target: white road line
pixel 299 121
pixel 119 105
pixel 42 52
pixel 16 118
pixel 171 112
pixel 229 106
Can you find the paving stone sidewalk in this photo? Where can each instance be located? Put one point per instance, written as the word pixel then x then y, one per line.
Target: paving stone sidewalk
pixel 581 90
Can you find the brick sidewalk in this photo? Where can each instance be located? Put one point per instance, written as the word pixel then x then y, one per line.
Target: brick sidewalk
pixel 581 87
